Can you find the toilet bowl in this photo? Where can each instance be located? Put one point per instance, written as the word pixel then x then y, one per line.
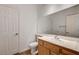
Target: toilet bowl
pixel 33 47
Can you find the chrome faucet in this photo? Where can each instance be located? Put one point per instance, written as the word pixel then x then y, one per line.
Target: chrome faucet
pixel 56 37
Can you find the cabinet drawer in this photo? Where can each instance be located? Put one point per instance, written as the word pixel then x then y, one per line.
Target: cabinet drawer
pixel 67 52
pixel 40 42
pixel 53 48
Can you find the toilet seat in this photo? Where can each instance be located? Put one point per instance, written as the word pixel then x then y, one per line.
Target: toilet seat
pixel 33 44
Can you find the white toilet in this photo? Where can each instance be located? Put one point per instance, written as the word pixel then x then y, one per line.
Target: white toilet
pixel 33 47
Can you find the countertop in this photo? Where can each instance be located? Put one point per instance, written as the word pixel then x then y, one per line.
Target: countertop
pixel 68 42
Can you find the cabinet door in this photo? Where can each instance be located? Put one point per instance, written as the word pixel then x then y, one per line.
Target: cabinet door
pixel 66 52
pixel 42 50
pixel 51 47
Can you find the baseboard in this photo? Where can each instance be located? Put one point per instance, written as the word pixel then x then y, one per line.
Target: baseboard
pixel 26 52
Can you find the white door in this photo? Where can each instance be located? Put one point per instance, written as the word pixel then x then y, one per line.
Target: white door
pixel 8 29
pixel 72 25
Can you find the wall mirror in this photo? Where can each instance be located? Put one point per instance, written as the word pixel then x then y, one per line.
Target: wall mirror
pixel 72 25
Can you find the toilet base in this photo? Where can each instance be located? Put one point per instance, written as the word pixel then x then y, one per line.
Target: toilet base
pixel 34 53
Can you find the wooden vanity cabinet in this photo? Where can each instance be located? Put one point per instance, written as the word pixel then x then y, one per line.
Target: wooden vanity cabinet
pixel 40 42
pixel 46 48
pixel 53 48
pixel 42 50
pixel 66 52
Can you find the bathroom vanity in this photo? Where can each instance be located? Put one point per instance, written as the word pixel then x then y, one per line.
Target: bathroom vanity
pixel 51 46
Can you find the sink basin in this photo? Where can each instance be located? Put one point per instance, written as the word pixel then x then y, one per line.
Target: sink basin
pixel 58 38
pixel 49 37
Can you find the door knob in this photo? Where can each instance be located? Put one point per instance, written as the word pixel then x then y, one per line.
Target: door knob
pixel 16 33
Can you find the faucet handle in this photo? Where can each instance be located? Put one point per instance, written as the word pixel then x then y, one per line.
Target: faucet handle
pixel 56 37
